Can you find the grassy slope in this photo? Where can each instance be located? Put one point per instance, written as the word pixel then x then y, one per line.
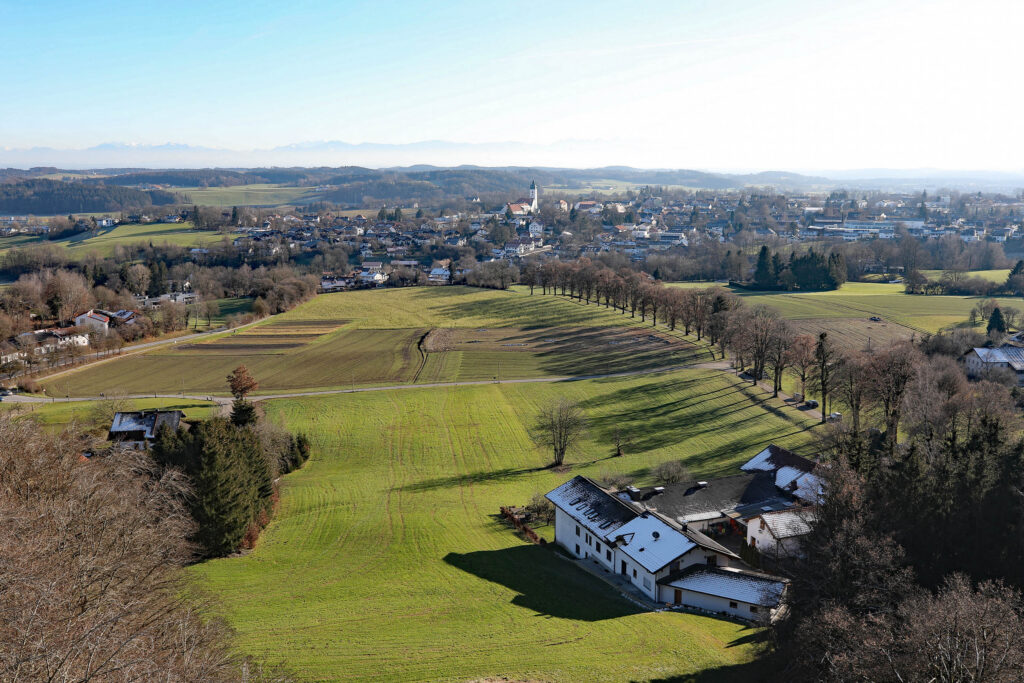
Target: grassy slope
pixel 375 341
pixel 865 299
pixel 385 558
pixel 104 241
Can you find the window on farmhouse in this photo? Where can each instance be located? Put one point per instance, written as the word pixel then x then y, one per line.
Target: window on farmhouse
pixel 577 530
pixel 597 546
pixel 733 605
pixel 634 573
pixel 647 583
pixel 608 554
pixel 577 548
pixel 753 608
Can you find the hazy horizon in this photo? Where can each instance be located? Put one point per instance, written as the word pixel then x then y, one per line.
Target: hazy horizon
pixel 786 84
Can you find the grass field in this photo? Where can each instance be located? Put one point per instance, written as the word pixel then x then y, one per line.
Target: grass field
pixel 382 338
pixel 386 560
pixel 105 240
pixel 248 195
pixel 998 275
pixel 861 300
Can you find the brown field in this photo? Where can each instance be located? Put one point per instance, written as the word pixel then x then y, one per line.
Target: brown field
pixel 854 334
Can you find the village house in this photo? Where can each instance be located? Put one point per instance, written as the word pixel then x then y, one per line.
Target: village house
pixel 138 429
pixel 93 320
pixel 439 276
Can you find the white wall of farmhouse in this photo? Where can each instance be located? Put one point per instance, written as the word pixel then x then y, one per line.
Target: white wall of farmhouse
pixel 712 603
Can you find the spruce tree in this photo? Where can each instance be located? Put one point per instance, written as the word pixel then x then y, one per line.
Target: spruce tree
pixel 996 322
pixel 763 272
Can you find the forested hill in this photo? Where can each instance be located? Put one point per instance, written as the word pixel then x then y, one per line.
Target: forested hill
pixel 49 197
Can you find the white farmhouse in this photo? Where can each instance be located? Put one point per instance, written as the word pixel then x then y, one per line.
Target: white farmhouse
pixel 979 360
pixel 657 555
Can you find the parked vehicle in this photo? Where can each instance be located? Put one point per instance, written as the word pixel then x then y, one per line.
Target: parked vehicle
pixel 835 417
pixel 811 403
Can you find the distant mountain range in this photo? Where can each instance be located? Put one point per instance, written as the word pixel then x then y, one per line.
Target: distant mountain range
pixel 430 156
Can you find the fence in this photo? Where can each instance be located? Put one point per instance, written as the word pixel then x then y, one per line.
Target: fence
pixel 517 517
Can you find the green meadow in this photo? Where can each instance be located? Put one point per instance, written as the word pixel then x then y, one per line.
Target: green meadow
pixel 387 560
pixel 105 240
pixel 858 301
pixel 259 195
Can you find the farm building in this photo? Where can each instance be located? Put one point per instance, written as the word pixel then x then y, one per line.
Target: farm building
pixel 777 534
pixel 138 429
pixel 979 360
pixel 739 593
pixel 652 551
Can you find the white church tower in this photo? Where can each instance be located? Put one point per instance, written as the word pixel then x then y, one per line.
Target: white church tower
pixel 533 195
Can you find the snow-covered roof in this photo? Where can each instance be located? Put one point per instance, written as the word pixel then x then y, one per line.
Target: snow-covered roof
pixel 731 584
pixel 810 488
pixel 788 523
pixel 1011 355
pixel 785 476
pixel 144 423
pixel 773 457
pixel 593 507
pixel 652 543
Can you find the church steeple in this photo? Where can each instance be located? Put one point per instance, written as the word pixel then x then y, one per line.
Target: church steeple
pixel 533 195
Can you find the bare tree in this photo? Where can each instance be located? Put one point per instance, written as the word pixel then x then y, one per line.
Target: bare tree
pixel 559 426
pixel 90 559
pixel 802 358
pixel 891 372
pixel 825 355
pixel 671 472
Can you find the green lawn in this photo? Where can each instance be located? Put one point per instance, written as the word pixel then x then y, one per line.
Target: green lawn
pixel 105 240
pixel 377 338
pixel 386 560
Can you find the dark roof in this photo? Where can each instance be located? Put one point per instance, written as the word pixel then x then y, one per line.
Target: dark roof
pixel 688 501
pixel 143 424
pixel 596 509
pixel 773 457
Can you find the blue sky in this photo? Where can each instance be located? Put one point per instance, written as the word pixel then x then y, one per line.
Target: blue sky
pixel 773 84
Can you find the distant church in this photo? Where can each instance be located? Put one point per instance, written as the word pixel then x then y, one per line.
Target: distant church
pixel 521 207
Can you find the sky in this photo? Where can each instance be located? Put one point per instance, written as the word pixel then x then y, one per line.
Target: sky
pixel 725 85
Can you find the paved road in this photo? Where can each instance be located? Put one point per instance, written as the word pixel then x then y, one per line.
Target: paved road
pixel 19 398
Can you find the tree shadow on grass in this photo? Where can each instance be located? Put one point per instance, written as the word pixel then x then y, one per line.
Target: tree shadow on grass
pixel 732 673
pixel 545 583
pixel 469 478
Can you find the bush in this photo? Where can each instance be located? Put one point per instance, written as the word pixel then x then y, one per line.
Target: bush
pixel 671 472
pixel 541 509
pixel 29 386
pixel 614 481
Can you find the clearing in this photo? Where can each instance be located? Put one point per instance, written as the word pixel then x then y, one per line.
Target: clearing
pixel 387 557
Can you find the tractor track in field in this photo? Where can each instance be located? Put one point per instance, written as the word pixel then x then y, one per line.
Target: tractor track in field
pixel 423 355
